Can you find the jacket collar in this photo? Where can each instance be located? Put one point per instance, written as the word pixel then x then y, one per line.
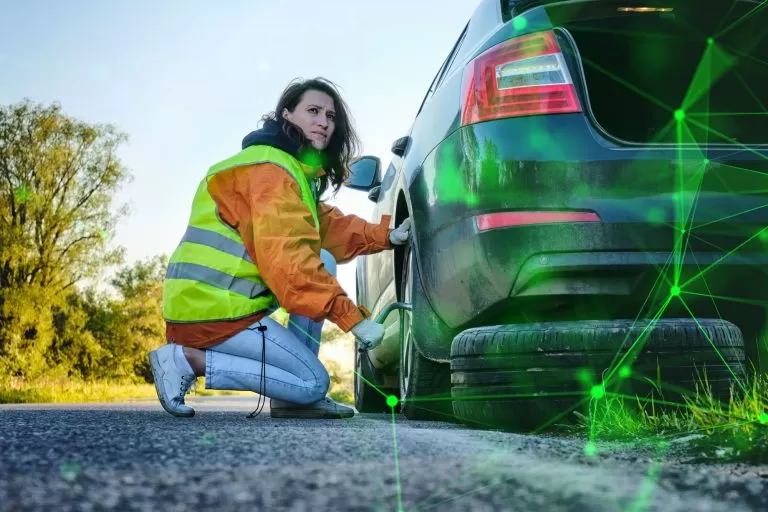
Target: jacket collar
pixel 272 134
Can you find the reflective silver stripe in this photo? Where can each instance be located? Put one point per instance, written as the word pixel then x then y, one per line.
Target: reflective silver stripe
pixel 215 278
pixel 217 241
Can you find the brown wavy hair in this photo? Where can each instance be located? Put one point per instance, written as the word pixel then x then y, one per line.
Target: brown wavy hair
pixel 344 144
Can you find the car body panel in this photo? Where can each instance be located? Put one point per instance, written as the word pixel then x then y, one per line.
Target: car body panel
pixel 642 194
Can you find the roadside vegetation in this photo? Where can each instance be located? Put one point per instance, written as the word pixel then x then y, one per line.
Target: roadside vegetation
pixel 705 428
pixel 76 321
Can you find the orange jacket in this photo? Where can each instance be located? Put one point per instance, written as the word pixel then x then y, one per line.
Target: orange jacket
pixel 263 203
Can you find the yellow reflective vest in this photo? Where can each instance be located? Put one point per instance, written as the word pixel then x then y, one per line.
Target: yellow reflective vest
pixel 211 276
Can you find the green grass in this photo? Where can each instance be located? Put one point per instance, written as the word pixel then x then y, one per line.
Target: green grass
pixel 74 391
pixel 735 430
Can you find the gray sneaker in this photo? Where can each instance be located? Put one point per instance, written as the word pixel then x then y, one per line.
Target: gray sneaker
pixel 171 383
pixel 322 409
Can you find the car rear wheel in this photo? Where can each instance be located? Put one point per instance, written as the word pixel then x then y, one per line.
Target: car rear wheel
pixel 425 386
pixel 527 376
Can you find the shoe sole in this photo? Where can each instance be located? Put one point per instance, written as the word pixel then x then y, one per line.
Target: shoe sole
pixel 308 414
pixel 154 362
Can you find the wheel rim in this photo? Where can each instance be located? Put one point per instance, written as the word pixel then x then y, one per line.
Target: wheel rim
pixel 406 340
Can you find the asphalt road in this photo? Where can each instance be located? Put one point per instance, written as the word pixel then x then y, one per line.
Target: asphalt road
pixel 136 457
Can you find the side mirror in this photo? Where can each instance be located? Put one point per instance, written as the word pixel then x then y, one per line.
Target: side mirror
pixel 364 173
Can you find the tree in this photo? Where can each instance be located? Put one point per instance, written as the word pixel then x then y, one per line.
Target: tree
pixel 58 176
pixel 141 310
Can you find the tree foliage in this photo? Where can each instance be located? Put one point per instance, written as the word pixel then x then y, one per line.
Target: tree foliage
pixel 58 178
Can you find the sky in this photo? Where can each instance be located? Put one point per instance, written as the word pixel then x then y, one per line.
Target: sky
pixel 187 80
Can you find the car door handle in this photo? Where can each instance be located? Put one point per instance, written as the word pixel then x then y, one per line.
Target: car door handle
pixel 373 195
pixel 401 145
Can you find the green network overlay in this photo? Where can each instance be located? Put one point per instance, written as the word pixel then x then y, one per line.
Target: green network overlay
pixel 714 63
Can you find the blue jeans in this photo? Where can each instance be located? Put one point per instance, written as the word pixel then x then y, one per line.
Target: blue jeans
pixel 293 371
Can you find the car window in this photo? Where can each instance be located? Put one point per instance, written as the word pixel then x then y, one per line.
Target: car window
pixel 443 67
pixel 483 23
pixel 449 66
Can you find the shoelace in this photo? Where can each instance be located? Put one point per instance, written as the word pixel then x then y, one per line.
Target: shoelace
pixel 263 378
pixel 186 384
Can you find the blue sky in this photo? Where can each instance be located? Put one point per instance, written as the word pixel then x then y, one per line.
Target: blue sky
pixel 187 80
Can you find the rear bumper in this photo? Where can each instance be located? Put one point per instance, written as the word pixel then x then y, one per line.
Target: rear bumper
pixel 645 198
pixel 576 271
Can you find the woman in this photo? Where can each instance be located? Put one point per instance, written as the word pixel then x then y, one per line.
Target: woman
pixel 259 238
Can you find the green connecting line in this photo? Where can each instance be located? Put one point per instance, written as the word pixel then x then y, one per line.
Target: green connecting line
pixel 661 275
pixel 750 210
pixel 717 351
pixel 730 299
pixel 754 11
pixel 719 260
pixel 643 499
pixel 397 462
pixel 615 367
pixel 728 139
pixel 626 84
pixel 725 114
pixel 749 89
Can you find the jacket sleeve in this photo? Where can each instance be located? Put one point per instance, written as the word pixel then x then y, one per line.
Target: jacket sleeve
pixel 263 202
pixel 347 236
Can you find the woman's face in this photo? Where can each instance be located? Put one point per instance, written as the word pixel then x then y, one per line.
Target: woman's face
pixel 315 115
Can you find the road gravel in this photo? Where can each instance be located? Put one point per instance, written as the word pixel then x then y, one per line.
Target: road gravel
pixel 134 456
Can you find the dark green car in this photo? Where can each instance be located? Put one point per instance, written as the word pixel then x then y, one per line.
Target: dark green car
pixel 590 161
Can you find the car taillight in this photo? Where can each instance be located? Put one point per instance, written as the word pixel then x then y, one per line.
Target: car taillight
pixel 507 219
pixel 522 76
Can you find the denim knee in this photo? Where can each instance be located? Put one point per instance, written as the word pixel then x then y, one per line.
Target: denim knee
pixel 315 390
pixel 329 261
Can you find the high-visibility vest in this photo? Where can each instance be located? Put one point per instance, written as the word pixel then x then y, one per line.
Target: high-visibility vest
pixel 210 275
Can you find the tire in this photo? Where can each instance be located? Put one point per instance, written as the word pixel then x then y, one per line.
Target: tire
pixel 425 385
pixel 530 375
pixel 367 399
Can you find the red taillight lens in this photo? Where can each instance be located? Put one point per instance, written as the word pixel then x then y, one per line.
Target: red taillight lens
pixel 507 219
pixel 523 76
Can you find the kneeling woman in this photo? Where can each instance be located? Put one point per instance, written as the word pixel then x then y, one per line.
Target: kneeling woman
pixel 259 238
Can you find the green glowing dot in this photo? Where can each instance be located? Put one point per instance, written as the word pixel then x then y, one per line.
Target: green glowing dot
pixel 69 470
pixel 679 114
pixel 597 392
pixel 682 231
pixel 763 235
pixel 207 439
pixel 590 450
pixel 103 234
pixel 392 401
pixel 655 216
pixel 625 372
pixel 584 376
pixel 674 291
pixel 21 194
pixel 520 23
pixel 710 41
pixel 539 139
pixel 763 418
